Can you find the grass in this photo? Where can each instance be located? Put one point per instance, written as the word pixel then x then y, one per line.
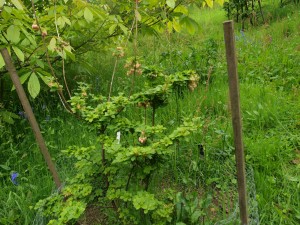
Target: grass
pixel 268 59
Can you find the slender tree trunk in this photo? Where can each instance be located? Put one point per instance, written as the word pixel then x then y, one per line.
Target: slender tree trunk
pixel 243 19
pixel 248 12
pixel 31 118
pixel 261 12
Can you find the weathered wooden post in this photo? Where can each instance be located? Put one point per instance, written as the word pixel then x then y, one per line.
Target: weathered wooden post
pixel 31 118
pixel 236 118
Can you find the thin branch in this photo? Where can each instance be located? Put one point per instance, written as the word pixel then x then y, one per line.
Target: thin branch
pixel 64 76
pixel 112 79
pixel 60 93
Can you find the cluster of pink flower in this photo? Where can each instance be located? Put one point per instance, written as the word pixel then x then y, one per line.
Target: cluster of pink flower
pixel 133 67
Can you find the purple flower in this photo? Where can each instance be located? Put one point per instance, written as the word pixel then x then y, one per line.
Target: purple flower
pixel 13 178
pixel 22 114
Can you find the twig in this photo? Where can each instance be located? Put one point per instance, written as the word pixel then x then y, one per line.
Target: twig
pixel 112 79
pixel 64 76
pixel 60 93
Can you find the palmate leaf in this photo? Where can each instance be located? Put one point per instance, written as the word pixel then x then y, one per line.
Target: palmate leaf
pixel 23 78
pixel 34 86
pixel 19 53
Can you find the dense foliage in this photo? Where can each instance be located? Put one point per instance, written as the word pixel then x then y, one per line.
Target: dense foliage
pixel 149 139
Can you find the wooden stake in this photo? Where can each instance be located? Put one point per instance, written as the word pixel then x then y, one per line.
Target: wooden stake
pixel 236 117
pixel 31 118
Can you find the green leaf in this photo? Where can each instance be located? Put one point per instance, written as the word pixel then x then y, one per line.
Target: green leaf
pixel 123 28
pixel 220 2
pixel 8 117
pixel 171 3
pixel 196 215
pixel 88 15
pixel 112 29
pixel 40 63
pixel 45 77
pixel 52 44
pixel 68 51
pixel 13 34
pixel 176 25
pixel 60 22
pixel 170 26
pixel 210 3
pixel 2 2
pixel 190 24
pixel 19 53
pixel 23 78
pixel 2 63
pixel 5 167
pixel 17 4
pixel 67 21
pixel 182 9
pixel 34 86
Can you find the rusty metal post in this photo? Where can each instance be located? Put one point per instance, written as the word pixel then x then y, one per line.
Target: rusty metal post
pixel 236 117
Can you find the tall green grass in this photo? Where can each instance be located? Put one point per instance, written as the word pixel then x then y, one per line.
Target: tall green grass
pixel 268 59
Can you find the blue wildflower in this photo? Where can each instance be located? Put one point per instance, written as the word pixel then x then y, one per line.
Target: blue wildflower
pixel 242 33
pixel 13 178
pixel 22 114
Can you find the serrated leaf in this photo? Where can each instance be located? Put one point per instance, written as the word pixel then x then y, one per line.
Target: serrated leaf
pixel 13 34
pixel 34 86
pixel 182 9
pixel 171 3
pixel 19 53
pixel 88 15
pixel 17 4
pixel 23 78
pixel 2 63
